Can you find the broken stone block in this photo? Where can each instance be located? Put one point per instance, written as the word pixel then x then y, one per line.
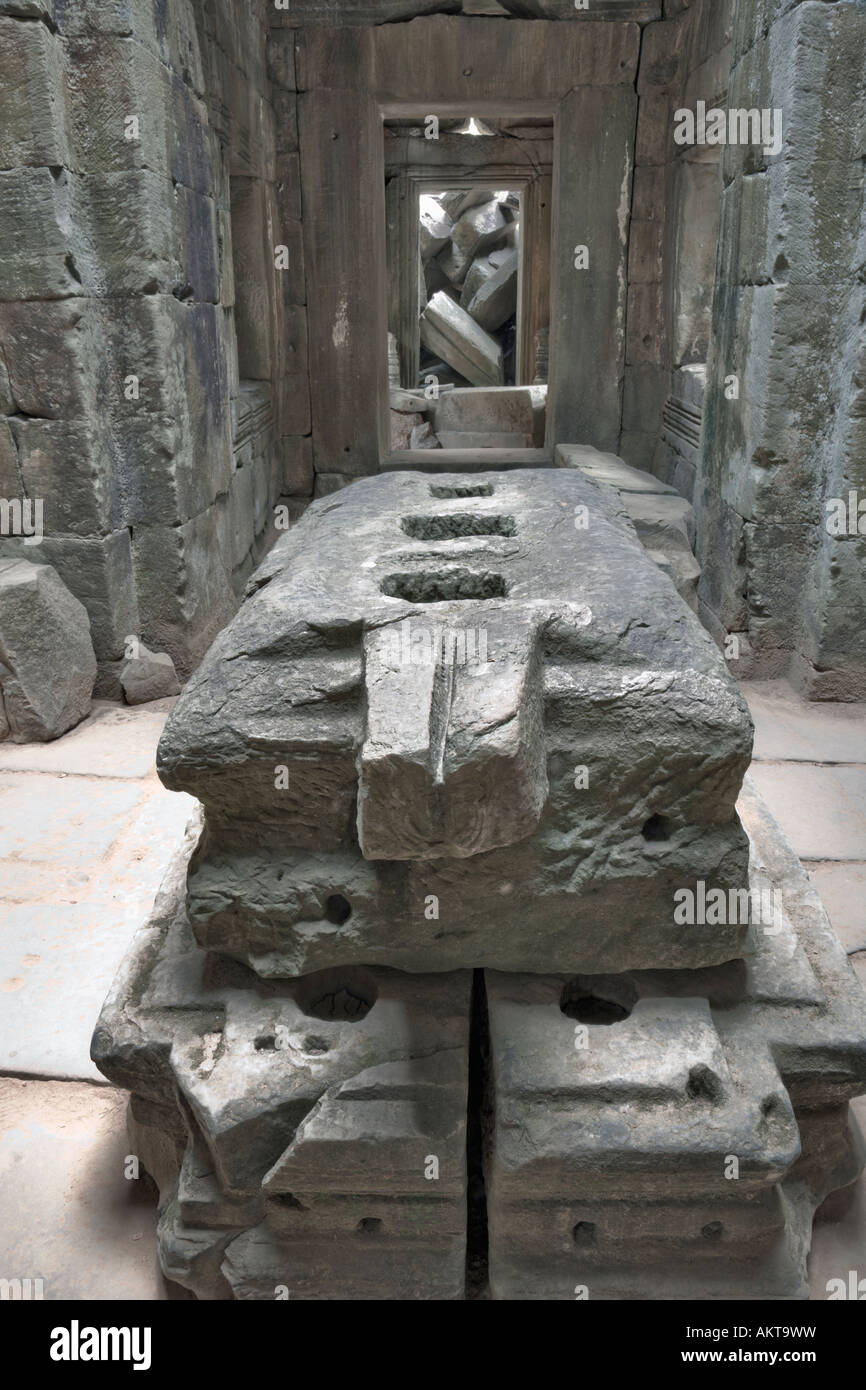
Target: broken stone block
pixel 407 402
pixel 667 525
pixel 309 1141
pixel 147 675
pixel 520 612
pixel 481 269
pixel 496 299
pixel 626 1103
pixel 435 280
pixel 460 200
pixel 664 521
pixel 449 332
pixel 403 426
pixel 47 663
pixel 507 408
pixel 435 228
pixel 422 436
pixel 477 230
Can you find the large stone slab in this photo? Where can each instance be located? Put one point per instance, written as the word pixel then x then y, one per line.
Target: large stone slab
pixel 477 230
pixel 512 409
pixel 309 1140
pixel 367 739
pixel 450 333
pixel 47 664
pixel 435 227
pixel 496 299
pixel 670 1134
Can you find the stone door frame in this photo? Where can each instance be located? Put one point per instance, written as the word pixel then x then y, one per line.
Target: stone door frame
pixel 532 263
pixel 580 76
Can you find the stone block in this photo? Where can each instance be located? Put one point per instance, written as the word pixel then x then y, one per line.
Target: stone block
pixel 47 665
pixel 98 571
pixel 435 227
pixel 147 675
pixel 292 279
pixel 646 248
pixel 477 230
pixel 340 1084
pixel 281 59
pixel 448 331
pixel 436 575
pixel 285 120
pixel 296 455
pixel 496 299
pixel 50 348
pixel 173 446
pixel 654 143
pixel 403 427
pixel 67 465
pixel 509 408
pixel 606 1188
pixel 41 265
pixel 32 126
pixel 645 323
pixel 118 80
pixel 184 592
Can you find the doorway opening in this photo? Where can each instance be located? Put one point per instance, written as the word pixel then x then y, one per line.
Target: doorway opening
pixel 468 254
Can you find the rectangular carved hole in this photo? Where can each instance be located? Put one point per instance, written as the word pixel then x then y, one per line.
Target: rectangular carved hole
pixel 461 490
pixel 443 586
pixel 456 526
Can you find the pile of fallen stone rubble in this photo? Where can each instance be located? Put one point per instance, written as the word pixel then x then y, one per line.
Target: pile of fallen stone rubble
pixel 469 240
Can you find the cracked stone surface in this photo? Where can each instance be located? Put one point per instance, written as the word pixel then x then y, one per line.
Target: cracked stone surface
pixel 511 741
pixel 609 1164
pixel 309 1134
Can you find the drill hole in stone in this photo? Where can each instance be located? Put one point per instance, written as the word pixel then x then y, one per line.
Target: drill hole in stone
pixel 342 994
pixel 713 1230
pixel 703 1084
pixel 584 1234
pixel 288 1201
pixel 598 999
pixel 337 909
pixel 443 586
pixel 456 526
pixel 461 490
pixel 657 829
pixel 369 1226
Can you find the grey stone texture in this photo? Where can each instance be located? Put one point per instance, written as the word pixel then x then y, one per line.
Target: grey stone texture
pixel 461 740
pixel 788 323
pixel 47 664
pixel 292 1132
pixel 130 143
pixel 621 1101
pixel 147 675
pixel 664 521
pixel 190 252
pixel 450 332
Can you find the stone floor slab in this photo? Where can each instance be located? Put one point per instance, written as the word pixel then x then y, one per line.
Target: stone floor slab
pixel 821 809
pixel 69 1216
pixel 113 741
pixel 81 858
pixel 843 892
pixel 790 729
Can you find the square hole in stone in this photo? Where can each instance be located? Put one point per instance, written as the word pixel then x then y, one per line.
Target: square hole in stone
pixel 456 526
pixel 442 586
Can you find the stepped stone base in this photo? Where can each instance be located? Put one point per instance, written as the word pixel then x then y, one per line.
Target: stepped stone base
pixel 309 1136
